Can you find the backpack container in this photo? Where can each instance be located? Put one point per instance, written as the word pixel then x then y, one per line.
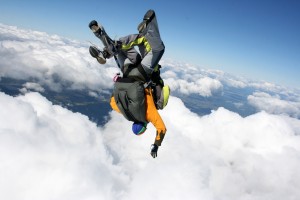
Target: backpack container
pixel 129 95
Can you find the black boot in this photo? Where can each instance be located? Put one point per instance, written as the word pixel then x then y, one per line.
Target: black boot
pixel 150 14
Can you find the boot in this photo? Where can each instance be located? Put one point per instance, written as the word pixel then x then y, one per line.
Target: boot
pixel 96 53
pixel 150 14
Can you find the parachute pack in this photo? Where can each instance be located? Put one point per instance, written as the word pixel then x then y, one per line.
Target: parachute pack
pixel 129 95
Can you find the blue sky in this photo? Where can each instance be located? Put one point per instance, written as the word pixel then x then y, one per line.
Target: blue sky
pixel 258 39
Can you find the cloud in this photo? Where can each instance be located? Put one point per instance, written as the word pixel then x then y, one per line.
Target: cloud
pixel 58 62
pixel 51 60
pixel 62 63
pixel 204 87
pixel 188 79
pixel 32 86
pixel 48 152
pixel 274 104
pixel 263 96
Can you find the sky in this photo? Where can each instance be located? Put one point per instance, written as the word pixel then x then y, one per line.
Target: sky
pixel 254 39
pixel 50 152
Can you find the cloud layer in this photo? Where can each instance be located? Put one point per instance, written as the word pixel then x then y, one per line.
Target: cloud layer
pixel 51 60
pixel 187 79
pixel 62 63
pixel 57 62
pixel 48 152
pixel 274 104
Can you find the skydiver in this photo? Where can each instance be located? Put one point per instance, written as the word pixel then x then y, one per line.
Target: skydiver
pixel 150 46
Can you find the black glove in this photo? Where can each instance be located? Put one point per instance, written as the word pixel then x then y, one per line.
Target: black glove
pixel 154 149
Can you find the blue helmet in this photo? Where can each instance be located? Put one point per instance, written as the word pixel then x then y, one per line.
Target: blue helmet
pixel 138 128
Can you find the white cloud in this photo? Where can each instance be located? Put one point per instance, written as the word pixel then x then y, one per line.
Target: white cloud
pixel 266 86
pixel 188 79
pixel 48 152
pixel 274 104
pixel 183 77
pixel 236 83
pixel 32 86
pixel 51 60
pixel 59 62
pixel 62 63
pixel 205 86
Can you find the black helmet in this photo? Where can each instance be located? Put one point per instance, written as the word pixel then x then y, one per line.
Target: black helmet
pixel 92 23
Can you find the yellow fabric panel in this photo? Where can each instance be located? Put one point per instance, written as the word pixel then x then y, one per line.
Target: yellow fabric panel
pixel 138 41
pixel 113 104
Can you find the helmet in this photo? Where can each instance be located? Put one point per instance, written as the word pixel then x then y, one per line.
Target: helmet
pixel 138 128
pixel 93 23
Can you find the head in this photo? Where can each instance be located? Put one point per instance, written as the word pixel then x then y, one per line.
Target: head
pixel 138 128
pixel 93 25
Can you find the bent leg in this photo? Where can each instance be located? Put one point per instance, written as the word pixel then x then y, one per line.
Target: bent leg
pixel 149 29
pixel 150 61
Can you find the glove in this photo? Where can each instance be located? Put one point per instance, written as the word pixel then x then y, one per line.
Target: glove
pixel 154 149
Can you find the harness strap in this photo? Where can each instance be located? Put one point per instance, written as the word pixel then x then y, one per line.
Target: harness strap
pixel 141 71
pixel 144 74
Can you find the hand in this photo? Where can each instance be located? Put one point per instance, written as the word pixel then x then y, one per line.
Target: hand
pixel 154 149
